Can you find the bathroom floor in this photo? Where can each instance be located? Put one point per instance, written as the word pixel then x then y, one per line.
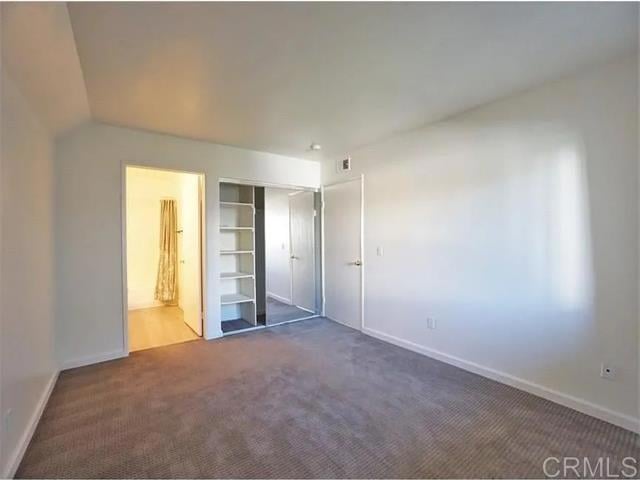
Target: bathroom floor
pixel 156 327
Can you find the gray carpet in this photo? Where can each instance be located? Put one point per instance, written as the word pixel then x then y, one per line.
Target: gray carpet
pixel 308 399
pixel 278 312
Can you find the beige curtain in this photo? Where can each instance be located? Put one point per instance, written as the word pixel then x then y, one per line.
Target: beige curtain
pixel 167 281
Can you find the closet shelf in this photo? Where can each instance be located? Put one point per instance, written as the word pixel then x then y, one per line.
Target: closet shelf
pixel 231 298
pixel 235 252
pixel 231 229
pixel 236 204
pixel 234 275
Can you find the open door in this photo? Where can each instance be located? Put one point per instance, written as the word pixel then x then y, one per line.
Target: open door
pixel 190 252
pixel 301 220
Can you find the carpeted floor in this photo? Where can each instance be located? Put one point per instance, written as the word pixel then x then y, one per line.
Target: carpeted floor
pixel 308 399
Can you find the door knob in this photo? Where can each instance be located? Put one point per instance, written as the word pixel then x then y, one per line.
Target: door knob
pixel 358 263
pixel 293 257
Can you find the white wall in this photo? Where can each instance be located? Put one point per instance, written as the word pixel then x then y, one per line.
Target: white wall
pixel 145 188
pixel 42 95
pixel 515 226
pixel 278 263
pixel 89 169
pixel 28 365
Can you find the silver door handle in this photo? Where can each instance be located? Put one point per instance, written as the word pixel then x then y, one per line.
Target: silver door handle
pixel 293 257
pixel 357 263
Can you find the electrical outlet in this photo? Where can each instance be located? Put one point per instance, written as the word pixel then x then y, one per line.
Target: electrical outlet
pixel 607 371
pixel 7 419
pixel 431 323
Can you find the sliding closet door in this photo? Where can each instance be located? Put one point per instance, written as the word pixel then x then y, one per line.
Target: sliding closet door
pixel 301 218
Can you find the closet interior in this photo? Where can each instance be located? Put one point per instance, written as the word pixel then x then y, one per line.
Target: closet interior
pixel 269 256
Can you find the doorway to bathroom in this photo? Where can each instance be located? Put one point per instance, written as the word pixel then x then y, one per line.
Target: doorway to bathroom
pixel 164 231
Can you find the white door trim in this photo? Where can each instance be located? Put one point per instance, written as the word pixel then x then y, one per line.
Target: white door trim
pixel 255 183
pixel 362 259
pixel 123 267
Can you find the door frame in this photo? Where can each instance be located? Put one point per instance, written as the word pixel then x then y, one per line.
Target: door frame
pixel 203 245
pixel 360 179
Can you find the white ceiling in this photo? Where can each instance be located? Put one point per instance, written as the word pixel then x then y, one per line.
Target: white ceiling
pixel 277 76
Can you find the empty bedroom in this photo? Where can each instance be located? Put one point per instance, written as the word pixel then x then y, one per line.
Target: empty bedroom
pixel 319 240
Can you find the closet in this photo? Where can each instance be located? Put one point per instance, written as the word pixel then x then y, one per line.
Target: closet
pixel 289 225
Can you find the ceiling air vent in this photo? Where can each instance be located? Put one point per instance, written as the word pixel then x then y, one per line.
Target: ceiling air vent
pixel 344 165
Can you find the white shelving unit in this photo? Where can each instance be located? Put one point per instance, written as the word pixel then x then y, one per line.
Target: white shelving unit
pixel 237 253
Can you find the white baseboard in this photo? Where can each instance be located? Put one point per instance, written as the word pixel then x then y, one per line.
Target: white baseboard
pixel 90 360
pixel 625 421
pixel 21 448
pixel 314 315
pixel 214 335
pixel 306 310
pixel 279 298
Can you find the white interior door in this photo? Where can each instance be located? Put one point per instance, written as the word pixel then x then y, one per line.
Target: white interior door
pixel 342 252
pixel 190 280
pixel 301 220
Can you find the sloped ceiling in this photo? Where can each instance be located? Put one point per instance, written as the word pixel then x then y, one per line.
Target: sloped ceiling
pixel 39 53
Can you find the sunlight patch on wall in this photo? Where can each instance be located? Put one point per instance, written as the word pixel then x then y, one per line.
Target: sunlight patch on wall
pixel 569 235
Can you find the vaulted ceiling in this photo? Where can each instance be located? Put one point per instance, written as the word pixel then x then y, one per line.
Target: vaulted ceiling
pixel 277 76
pixel 39 52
